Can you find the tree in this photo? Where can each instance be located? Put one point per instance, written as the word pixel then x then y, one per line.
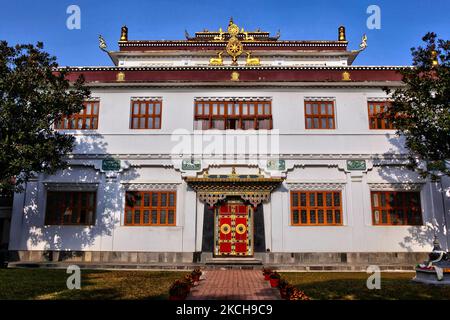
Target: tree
pixel 34 96
pixel 420 110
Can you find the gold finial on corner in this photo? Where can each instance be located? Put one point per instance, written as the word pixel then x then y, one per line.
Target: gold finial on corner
pixel 234 76
pixel 120 76
pixel 124 34
pixel 346 76
pixel 341 31
pixel 363 44
pixel 434 60
pixel 205 174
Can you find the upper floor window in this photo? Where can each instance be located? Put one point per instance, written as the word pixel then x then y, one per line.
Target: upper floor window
pixel 146 114
pixel 70 208
pixel 230 115
pixel 316 208
pixel 86 119
pixel 396 208
pixel 319 115
pixel 377 118
pixel 150 208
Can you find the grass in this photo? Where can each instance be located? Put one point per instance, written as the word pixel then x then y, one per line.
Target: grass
pixel 352 286
pixel 50 284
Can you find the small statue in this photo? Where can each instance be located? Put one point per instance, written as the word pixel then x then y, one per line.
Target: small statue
pixel 437 254
pixel 247 37
pixel 124 34
pixel 217 61
pixel 252 61
pixel 220 37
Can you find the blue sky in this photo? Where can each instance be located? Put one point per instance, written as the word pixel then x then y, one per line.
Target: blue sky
pixel 403 23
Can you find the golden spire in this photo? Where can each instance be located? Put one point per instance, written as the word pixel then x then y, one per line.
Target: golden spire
pixel 124 34
pixel 434 60
pixel 341 31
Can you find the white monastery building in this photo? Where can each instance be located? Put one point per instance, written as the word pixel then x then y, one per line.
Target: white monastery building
pixel 232 145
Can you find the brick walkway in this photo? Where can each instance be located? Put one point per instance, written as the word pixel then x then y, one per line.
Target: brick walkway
pixel 233 285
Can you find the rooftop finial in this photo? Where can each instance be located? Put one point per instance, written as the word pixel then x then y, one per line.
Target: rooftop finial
pixel 434 60
pixel 231 21
pixel 124 34
pixel 341 36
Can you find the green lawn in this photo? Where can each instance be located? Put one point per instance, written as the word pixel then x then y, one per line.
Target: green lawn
pixel 352 286
pixel 51 284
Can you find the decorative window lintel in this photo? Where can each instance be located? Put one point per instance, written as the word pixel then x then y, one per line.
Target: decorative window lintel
pixel 150 186
pixel 65 186
pixel 374 186
pixel 315 186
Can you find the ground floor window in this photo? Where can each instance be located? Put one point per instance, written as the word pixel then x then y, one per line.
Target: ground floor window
pixel 150 208
pixel 396 208
pixel 316 208
pixel 70 208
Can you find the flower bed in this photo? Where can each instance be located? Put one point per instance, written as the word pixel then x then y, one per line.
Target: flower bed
pixel 287 291
pixel 181 288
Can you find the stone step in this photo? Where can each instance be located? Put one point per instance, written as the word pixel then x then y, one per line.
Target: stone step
pixel 233 261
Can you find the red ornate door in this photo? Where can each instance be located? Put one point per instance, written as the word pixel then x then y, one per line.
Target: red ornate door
pixel 234 230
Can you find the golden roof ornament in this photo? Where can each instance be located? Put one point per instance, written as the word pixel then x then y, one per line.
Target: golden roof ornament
pixel 252 61
pixel 341 31
pixel 346 76
pixel 434 60
pixel 220 37
pixel 120 77
pixel 217 61
pixel 363 44
pixel 124 34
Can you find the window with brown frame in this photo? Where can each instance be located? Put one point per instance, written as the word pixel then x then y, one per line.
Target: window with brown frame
pixel 323 208
pixel 231 115
pixel 86 119
pixel 146 114
pixel 150 208
pixel 70 208
pixel 377 118
pixel 396 208
pixel 319 115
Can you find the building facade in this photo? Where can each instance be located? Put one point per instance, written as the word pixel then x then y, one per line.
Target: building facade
pixel 232 144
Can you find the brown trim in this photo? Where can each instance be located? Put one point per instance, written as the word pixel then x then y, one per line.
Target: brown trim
pixel 316 208
pixel 377 119
pixel 319 114
pixel 77 121
pixel 145 208
pixel 149 105
pixel 223 74
pixel 403 206
pixel 219 110
pixel 69 207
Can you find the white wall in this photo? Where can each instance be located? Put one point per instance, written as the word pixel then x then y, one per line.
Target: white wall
pixel 351 138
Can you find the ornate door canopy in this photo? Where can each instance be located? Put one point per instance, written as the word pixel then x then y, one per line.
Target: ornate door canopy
pixel 252 188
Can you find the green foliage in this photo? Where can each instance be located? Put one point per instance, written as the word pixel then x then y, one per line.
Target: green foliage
pixel 33 98
pixel 421 109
